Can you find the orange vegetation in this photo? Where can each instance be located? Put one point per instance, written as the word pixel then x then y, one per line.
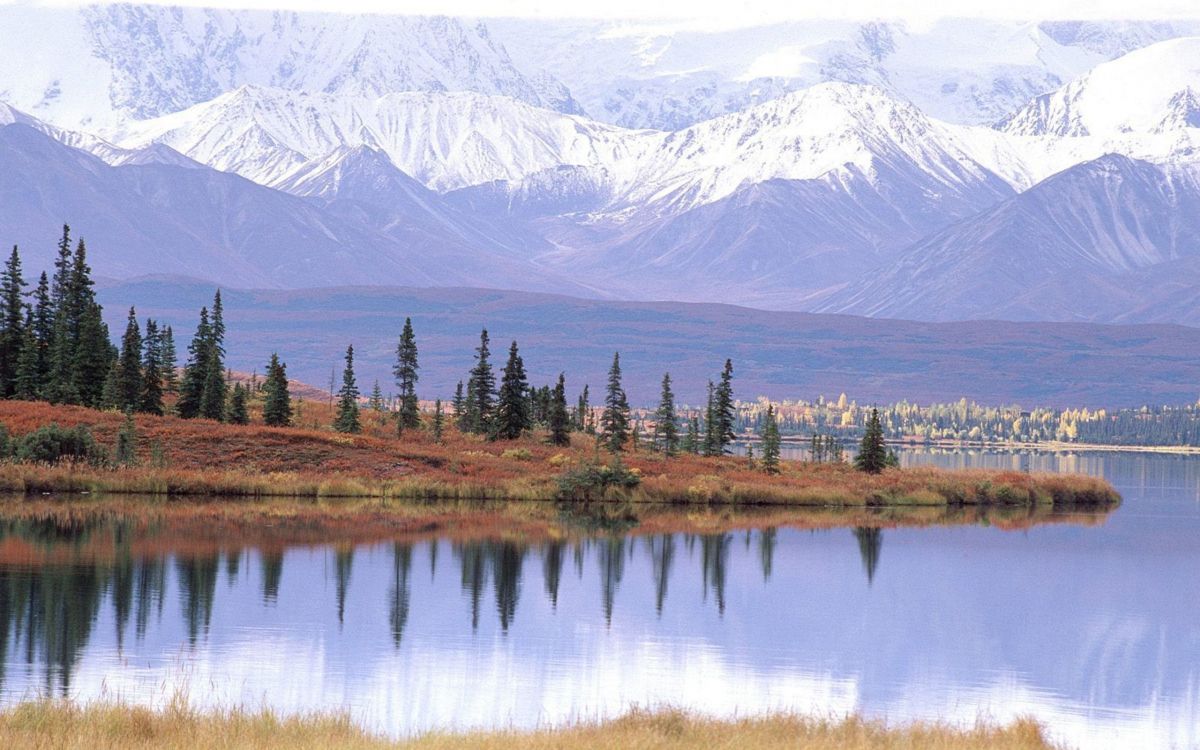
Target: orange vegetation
pixel 208 458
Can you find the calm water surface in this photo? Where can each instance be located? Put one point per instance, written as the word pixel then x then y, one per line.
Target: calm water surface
pixel 1094 629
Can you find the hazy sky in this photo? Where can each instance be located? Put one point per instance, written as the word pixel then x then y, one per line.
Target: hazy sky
pixel 732 11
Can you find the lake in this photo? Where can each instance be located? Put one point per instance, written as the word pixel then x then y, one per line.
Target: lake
pixel 1093 628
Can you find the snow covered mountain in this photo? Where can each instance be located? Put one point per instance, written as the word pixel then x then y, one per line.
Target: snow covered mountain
pixel 445 140
pixel 143 61
pixel 1091 243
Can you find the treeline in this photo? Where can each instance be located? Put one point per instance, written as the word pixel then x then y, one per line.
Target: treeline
pixel 972 422
pixel 56 347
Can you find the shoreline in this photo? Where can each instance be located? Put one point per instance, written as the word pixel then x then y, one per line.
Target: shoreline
pixel 1046 446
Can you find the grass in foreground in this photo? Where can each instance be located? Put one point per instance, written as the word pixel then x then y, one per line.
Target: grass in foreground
pixel 64 726
pixel 201 457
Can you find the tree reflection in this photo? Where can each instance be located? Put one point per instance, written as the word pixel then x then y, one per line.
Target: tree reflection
pixel 343 562
pixel 197 583
pixel 662 555
pixel 714 557
pixel 401 565
pixel 553 557
pixel 870 542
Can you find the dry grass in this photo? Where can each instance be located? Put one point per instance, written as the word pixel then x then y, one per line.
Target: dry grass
pixel 64 726
pixel 207 458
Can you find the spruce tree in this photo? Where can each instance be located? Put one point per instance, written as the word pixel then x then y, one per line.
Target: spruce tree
pixel 168 360
pixel 125 451
pixel 12 323
pixel 191 389
pixel 28 381
pixel 614 422
pixel 512 416
pixel 277 401
pixel 583 411
pixel 712 443
pixel 129 366
pixel 481 387
pixel 347 408
pixel 42 325
pixel 405 370
pixel 872 452
pixel 238 413
pixel 439 421
pixel 724 410
pixel 376 401
pixel 770 441
pixel 93 357
pixel 559 420
pixel 691 440
pixel 150 399
pixel 460 407
pixel 666 432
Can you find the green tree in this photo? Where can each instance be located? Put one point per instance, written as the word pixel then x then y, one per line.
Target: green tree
pixel 238 413
pixel 459 405
pixel 481 387
pixel 168 360
pixel 560 421
pixel 42 325
pixel 125 452
pixel 28 379
pixel 872 451
pixel 375 402
pixel 129 366
pixel 150 399
pixel 93 357
pixel 712 441
pixel 691 440
pixel 439 421
pixel 770 441
pixel 723 410
pixel 614 422
pixel 406 372
pixel 583 412
pixel 195 373
pixel 512 407
pixel 347 408
pixel 12 322
pixel 666 432
pixel 277 401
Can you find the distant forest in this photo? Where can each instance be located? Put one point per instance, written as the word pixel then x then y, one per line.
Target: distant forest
pixel 968 421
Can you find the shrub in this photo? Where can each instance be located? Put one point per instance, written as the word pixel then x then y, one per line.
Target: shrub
pixel 557 460
pixel 53 444
pixel 517 454
pixel 592 482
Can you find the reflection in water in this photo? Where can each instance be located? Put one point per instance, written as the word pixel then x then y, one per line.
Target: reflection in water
pixel 1091 628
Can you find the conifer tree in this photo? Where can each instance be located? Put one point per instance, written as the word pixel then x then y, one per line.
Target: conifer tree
pixel 376 401
pixel 770 441
pixel 238 413
pixel 583 411
pixel 439 421
pixel 110 395
pixel 277 401
pixel 191 390
pixel 60 289
pixel 347 408
pixel 481 387
pixel 460 407
pixel 872 452
pixel 512 416
pixel 405 370
pixel 93 356
pixel 28 378
pixel 614 422
pixel 129 379
pixel 12 322
pixel 125 451
pixel 168 360
pixel 150 399
pixel 42 325
pixel 724 413
pixel 691 440
pixel 666 432
pixel 712 443
pixel 560 421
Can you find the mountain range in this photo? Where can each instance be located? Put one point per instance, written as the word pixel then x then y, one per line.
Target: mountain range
pixel 856 168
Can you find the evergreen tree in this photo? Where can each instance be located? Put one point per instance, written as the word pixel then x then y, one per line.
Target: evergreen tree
pixel 770 440
pixel 872 452
pixel 110 394
pixel 724 413
pixel 93 356
pixel 691 440
pixel 12 322
pixel 150 399
pixel 583 411
pixel 666 432
pixel 60 290
pixel 347 408
pixel 512 408
pixel 125 452
pixel 28 378
pixel 405 370
pixel 277 401
pixel 238 414
pixel 439 421
pixel 460 407
pixel 559 420
pixel 129 378
pixel 168 360
pixel 42 325
pixel 191 390
pixel 481 387
pixel 712 443
pixel 376 401
pixel 614 422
